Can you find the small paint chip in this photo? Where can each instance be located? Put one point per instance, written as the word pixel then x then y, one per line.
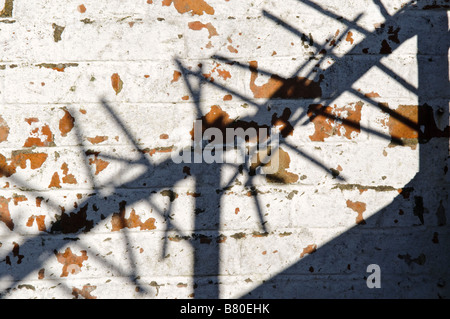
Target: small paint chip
pixel 116 83
pixel 81 8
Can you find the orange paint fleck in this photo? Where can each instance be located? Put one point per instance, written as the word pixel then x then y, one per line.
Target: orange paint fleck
pixel 39 201
pixel 153 151
pixel 278 87
pixel 349 37
pixel 55 182
pixel 97 139
pixel 308 250
pixel 185 98
pixel 40 221
pixel 327 120
pixel 81 8
pixel 176 76
pixel 236 211
pixel 4 130
pixel 197 7
pixel 67 178
pixel 5 215
pixel 31 120
pixel 358 207
pixel 372 94
pixel 118 220
pixel 71 263
pixel 164 136
pixel 66 123
pixel 232 49
pixel 116 83
pixel 227 97
pixel 197 25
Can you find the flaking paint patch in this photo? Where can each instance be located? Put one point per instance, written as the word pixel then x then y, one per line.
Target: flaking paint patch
pixel 97 139
pixel 71 262
pixel 19 198
pixel 176 76
pixel 196 7
pixel 282 176
pixel 100 164
pixel 308 250
pixel 85 292
pixel 360 208
pixel 57 32
pixel 66 123
pixel 16 253
pixel 197 25
pixel 278 87
pixel 81 8
pixel 330 121
pixel 55 181
pixel 153 151
pixel 67 178
pixel 7 9
pixel 5 215
pixel 4 130
pixel 40 222
pixel 40 137
pixel 20 158
pixel 60 67
pixel 116 83
pixel 349 37
pixel 118 220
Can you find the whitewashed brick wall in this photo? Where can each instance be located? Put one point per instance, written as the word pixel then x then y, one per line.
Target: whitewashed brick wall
pixel 96 95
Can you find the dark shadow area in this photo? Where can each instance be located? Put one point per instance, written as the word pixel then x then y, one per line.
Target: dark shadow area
pixel 400 260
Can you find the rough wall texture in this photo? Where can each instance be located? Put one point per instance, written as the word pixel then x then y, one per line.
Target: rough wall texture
pixel 97 95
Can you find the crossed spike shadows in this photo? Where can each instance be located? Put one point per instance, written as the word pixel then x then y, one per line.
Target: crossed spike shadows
pixel 206 260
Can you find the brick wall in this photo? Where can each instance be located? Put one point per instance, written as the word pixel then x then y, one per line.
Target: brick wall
pixel 97 96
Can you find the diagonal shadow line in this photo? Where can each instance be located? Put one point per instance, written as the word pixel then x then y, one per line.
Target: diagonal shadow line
pixel 117 119
pixel 396 77
pixel 194 93
pixel 312 159
pixel 225 89
pixel 382 9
